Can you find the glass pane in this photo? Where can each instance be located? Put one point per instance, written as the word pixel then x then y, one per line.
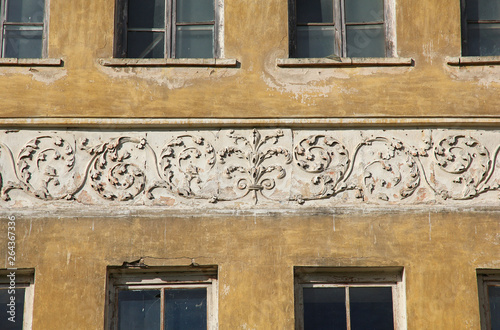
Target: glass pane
pixel 139 309
pixel 195 41
pixel 315 41
pixel 371 308
pixel 23 42
pixel 186 309
pixel 483 9
pixel 315 11
pixel 365 41
pixel 483 39
pixel 145 45
pixel 16 309
pixel 146 14
pixel 494 298
pixel 324 308
pixel 25 11
pixel 190 11
pixel 357 11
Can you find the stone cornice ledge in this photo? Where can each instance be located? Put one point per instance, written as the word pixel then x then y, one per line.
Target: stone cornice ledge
pixel 161 62
pixel 344 62
pixel 473 60
pixel 30 62
pixel 143 123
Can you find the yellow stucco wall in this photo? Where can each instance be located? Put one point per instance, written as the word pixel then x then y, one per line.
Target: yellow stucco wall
pixel 440 253
pixel 256 34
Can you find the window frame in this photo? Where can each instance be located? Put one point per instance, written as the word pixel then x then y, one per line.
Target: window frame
pixel 486 278
pixel 351 277
pixel 121 29
pixel 162 278
pixel 44 25
pixel 340 45
pixel 25 278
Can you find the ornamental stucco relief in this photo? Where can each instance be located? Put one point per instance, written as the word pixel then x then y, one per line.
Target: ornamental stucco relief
pixel 241 168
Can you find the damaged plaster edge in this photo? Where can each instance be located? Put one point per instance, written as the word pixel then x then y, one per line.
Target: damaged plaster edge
pixel 31 62
pixel 473 60
pixel 161 212
pixel 190 123
pixel 344 62
pixel 160 62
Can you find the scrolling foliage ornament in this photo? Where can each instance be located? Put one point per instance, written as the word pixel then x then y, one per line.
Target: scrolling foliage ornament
pixel 254 163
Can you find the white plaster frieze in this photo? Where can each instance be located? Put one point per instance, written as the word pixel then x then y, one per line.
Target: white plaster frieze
pixel 242 168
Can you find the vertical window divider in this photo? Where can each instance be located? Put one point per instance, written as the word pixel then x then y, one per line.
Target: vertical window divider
pixel 45 32
pixel 169 33
pixel 292 27
pixel 347 308
pixel 173 22
pixel 339 22
pixel 463 17
pixel 162 309
pixel 3 17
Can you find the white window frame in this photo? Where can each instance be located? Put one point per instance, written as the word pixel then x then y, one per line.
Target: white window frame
pixel 486 278
pixel 351 277
pixel 162 278
pixel 44 24
pixel 340 46
pixel 121 29
pixel 25 279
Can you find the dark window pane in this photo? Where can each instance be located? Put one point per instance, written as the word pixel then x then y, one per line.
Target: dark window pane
pixel 357 11
pixel 186 309
pixel 23 42
pixel 483 9
pixel 190 11
pixel 19 309
pixel 365 41
pixel 371 308
pixel 494 298
pixel 145 45
pixel 483 39
pixel 139 309
pixel 324 308
pixel 146 14
pixel 315 11
pixel 25 11
pixel 196 41
pixel 315 41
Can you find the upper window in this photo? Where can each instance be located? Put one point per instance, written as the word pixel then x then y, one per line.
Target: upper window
pixel 480 27
pixel 23 28
pixel 352 298
pixel 489 298
pixel 163 298
pixel 341 28
pixel 16 299
pixel 168 28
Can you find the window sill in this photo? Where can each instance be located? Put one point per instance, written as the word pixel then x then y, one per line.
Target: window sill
pixel 160 62
pixel 473 60
pixel 30 62
pixel 344 62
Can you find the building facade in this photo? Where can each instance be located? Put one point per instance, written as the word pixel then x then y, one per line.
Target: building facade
pixel 250 164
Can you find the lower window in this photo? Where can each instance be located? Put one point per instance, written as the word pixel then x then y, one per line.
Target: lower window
pixel 16 299
pixel 163 298
pixel 489 298
pixel 349 298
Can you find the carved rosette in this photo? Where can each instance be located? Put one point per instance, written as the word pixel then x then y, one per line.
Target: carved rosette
pixel 328 159
pixel 391 172
pixel 254 163
pixel 45 169
pixel 460 169
pixel 116 171
pixel 185 165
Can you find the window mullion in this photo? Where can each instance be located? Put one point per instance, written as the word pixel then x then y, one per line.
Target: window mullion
pixel 162 309
pixel 348 308
pixel 340 33
pixel 3 17
pixel 173 27
pixel 168 29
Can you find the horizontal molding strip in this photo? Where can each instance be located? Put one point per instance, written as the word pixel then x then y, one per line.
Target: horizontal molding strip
pixel 142 123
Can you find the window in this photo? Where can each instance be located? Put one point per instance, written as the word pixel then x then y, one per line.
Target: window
pixel 16 294
pixel 341 28
pixel 349 298
pixel 489 298
pixel 480 27
pixel 163 298
pixel 23 28
pixel 168 29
